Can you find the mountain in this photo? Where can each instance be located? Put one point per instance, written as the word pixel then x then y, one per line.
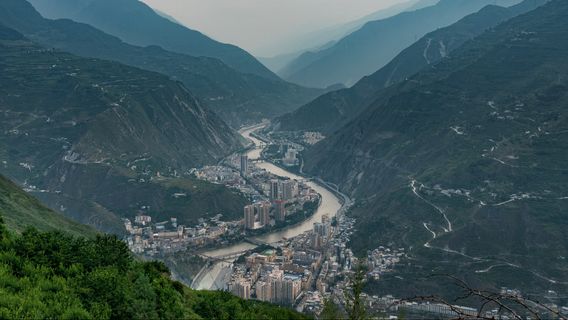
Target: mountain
pixel 20 211
pixel 464 164
pixel 238 98
pixel 136 23
pixel 321 39
pixel 277 62
pixel 421 4
pixel 55 276
pixel 376 43
pixel 331 111
pixel 99 140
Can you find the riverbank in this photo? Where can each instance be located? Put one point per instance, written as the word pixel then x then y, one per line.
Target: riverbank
pixel 332 203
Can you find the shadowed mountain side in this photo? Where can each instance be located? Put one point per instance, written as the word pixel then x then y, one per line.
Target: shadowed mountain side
pixel 331 111
pixel 237 97
pixel 98 137
pixel 376 43
pixel 20 211
pixel 136 23
pixel 465 162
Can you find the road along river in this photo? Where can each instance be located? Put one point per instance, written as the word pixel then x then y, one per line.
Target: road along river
pixel 330 205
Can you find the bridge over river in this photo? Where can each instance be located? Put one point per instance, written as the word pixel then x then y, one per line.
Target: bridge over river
pixel 211 277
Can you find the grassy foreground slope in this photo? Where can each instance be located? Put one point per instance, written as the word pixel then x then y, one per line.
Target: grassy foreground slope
pixel 21 210
pixel 52 275
pixel 57 275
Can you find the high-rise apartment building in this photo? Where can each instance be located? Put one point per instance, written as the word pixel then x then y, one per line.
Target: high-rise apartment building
pixel 249 217
pixel 244 165
pixel 288 190
pixel 263 210
pixel 274 190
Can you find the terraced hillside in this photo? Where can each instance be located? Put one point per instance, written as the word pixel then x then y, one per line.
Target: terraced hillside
pixel 333 110
pixel 95 138
pixel 465 163
pixel 235 96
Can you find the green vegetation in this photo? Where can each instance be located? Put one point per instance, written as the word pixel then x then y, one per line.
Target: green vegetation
pixel 21 210
pixel 480 139
pixel 60 274
pixel 238 97
pixel 184 265
pixel 96 136
pixel 354 303
pixel 53 275
pixel 331 111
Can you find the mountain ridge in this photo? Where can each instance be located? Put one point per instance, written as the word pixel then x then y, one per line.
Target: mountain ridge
pixel 138 24
pixel 359 53
pixel 331 111
pixel 464 162
pixel 236 97
pixel 90 126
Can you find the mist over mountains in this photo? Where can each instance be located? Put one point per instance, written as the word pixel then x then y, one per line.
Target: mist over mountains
pixel 236 96
pixel 376 43
pixel 463 161
pixel 136 23
pixel 331 111
pixel 438 147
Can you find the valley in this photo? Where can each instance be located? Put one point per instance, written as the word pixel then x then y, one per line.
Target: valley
pixel 413 167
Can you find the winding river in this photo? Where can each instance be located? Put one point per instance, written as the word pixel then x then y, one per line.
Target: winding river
pixel 330 205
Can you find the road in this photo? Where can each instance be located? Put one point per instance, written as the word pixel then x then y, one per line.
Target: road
pixel 330 204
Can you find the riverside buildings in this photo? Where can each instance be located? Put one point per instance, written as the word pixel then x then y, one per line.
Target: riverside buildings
pixel 244 165
pixel 250 217
pixel 257 215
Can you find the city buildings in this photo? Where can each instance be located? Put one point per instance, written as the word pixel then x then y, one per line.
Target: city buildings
pixel 241 288
pixel 263 291
pixel 263 210
pixel 290 158
pixel 274 190
pixel 250 216
pixel 288 190
pixel 244 165
pixel 280 210
pixel 142 219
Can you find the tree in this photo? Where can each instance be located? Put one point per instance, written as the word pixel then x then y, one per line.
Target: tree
pixel 330 311
pixel 510 305
pixel 4 234
pixel 354 304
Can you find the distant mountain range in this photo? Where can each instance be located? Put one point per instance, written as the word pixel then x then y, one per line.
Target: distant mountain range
pixel 464 163
pixel 327 37
pixel 237 97
pixel 136 23
pixel 376 43
pixel 331 111
pixel 94 138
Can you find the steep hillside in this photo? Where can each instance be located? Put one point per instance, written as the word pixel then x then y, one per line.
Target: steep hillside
pixel 136 23
pixel 376 43
pixel 237 97
pixel 55 276
pixel 331 111
pixel 465 164
pixel 96 138
pixel 21 210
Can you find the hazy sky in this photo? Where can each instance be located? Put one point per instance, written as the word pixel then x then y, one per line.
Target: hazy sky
pixel 264 27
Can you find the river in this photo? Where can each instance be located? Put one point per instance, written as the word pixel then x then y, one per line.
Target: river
pixel 330 205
